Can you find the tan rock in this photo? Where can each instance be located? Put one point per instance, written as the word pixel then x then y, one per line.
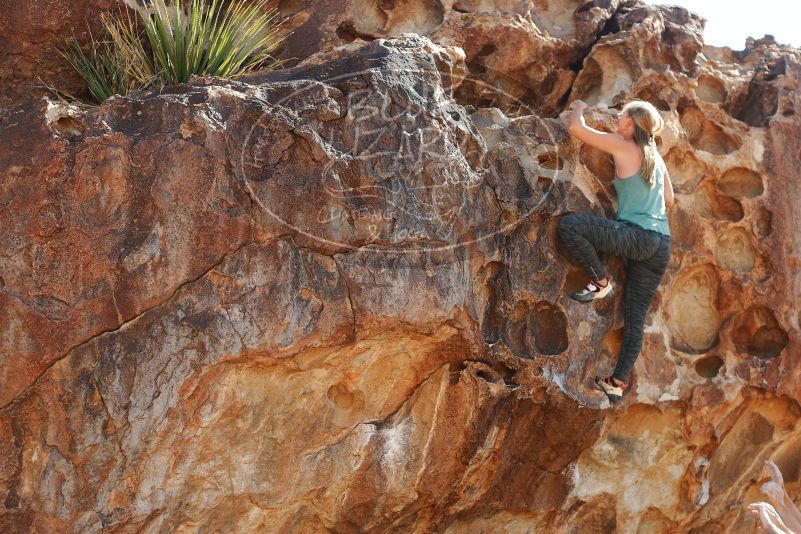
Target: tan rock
pixel 331 298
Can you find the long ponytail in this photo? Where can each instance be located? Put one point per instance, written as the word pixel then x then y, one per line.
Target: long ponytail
pixel 647 123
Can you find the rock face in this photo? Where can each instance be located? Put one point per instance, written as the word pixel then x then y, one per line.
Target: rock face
pixel 33 31
pixel 330 298
pixel 521 55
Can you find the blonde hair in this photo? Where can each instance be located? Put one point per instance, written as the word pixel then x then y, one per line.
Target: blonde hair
pixel 647 123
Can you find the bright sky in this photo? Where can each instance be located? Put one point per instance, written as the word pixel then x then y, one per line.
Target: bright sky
pixel 729 22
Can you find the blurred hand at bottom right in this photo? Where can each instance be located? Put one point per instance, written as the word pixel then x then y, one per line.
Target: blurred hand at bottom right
pixel 769 520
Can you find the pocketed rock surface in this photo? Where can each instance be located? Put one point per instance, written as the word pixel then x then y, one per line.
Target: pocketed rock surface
pixel 330 298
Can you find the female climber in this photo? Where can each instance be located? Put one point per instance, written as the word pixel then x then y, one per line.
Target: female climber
pixel 639 233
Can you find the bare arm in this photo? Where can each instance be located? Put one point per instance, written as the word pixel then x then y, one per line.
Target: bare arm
pixel 613 143
pixel 778 497
pixel 769 519
pixel 791 515
pixel 669 198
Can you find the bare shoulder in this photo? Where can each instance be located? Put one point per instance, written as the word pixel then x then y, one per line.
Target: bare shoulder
pixel 610 142
pixel 629 160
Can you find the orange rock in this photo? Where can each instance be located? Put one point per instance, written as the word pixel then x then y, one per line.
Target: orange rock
pixel 331 297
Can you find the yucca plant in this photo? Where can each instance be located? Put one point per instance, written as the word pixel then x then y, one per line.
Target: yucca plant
pixel 134 60
pixel 224 38
pixel 113 66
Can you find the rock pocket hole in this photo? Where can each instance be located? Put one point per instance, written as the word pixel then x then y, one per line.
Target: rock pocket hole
pixel 587 86
pixel 705 135
pixel 372 18
pixel 692 310
pixel 549 325
pixel 486 50
pixel 734 250
pixel 574 280
pixel 692 120
pixel 490 289
pixel 410 16
pixel 615 77
pixel 68 127
pixel 486 376
pixel 708 366
pixel 715 141
pixel 741 182
pixel 686 171
pixel 762 222
pixel 536 329
pixel 478 69
pixel 347 32
pixel 710 204
pixel 516 333
pixel 506 373
pixel 757 333
pixel 343 398
pixel 550 160
pixel 651 94
pixel 548 83
pixel 710 89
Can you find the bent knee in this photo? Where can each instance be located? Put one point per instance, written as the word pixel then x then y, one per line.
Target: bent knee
pixel 566 224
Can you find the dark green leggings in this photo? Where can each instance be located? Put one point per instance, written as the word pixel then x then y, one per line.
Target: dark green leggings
pixel 646 255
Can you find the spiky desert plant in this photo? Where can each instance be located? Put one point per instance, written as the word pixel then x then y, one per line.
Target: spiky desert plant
pixel 221 38
pixel 111 66
pixel 135 61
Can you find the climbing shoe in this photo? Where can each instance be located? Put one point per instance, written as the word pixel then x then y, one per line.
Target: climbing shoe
pixel 612 390
pixel 594 292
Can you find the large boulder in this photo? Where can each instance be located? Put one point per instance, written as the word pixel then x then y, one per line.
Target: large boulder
pixel 331 298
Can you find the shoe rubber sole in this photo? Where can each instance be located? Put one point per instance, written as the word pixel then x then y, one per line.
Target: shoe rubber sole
pixel 590 299
pixel 614 399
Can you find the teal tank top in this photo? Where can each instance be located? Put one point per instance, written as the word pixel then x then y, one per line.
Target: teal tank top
pixel 643 205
